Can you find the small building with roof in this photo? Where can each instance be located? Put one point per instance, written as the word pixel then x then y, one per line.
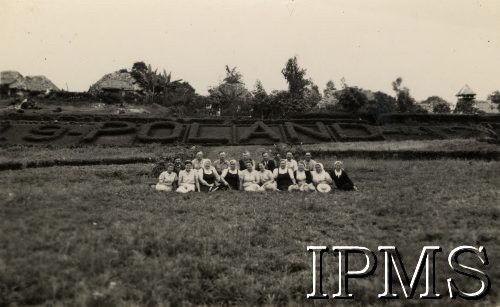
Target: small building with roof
pixel 116 82
pixel 466 94
pixel 13 83
pixel 39 84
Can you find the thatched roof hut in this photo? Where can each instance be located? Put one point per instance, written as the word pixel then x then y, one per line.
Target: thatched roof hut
pixel 39 84
pixel 117 81
pixel 13 80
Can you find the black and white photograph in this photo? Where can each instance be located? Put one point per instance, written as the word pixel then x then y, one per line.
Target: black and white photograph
pixel 249 152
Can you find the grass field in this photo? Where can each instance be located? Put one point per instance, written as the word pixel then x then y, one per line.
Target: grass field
pixel 100 236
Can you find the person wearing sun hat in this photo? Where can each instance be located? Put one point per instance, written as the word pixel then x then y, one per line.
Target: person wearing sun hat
pixel 321 179
pixel 188 179
pixel 341 179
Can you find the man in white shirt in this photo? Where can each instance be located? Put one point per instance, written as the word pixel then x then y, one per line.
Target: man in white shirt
pixel 198 161
pixel 309 162
pixel 221 163
pixel 291 163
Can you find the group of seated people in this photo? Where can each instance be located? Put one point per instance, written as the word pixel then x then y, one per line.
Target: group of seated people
pixel 203 175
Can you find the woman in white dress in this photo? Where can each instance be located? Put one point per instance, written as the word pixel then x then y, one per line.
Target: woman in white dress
pixel 188 179
pixel 167 179
pixel 321 179
pixel 266 182
pixel 249 179
pixel 303 178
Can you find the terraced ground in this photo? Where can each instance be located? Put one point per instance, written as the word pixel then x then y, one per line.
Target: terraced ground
pixel 100 236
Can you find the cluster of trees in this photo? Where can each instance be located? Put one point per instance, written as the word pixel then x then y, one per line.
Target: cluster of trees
pixel 159 88
pixel 495 98
pixel 232 98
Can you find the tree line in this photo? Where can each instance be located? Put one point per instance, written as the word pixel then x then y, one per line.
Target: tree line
pixel 232 98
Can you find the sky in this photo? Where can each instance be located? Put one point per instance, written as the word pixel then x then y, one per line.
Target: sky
pixel 436 46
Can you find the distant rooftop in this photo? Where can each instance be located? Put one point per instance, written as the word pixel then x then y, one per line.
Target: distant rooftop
pixel 465 91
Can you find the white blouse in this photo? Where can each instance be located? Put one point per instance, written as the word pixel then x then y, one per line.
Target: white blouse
pixel 292 164
pixel 301 176
pixel 322 177
pixel 249 177
pixel 266 176
pixel 187 178
pixel 167 178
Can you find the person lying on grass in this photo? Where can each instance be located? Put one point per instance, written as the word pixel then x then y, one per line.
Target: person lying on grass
pixel 341 179
pixel 167 180
pixel 321 179
pixel 188 179
pixel 208 177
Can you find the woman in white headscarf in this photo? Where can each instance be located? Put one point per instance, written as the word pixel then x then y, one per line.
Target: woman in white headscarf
pixel 249 178
pixel 342 181
pixel 321 179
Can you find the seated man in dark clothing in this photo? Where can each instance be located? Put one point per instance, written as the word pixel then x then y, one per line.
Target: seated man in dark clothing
pixel 246 159
pixel 268 164
pixel 341 179
pixel 178 165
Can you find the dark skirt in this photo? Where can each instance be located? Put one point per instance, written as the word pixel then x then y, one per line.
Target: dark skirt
pixel 210 179
pixel 283 182
pixel 343 182
pixel 233 180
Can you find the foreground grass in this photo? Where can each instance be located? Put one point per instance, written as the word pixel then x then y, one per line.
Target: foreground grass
pixel 26 153
pixel 100 236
